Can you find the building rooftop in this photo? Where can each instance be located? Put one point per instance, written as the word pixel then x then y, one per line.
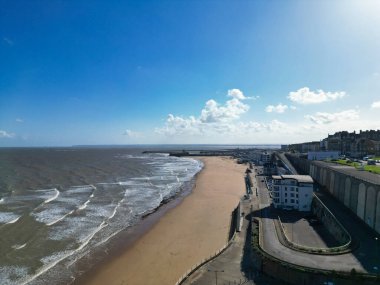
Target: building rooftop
pixel 299 178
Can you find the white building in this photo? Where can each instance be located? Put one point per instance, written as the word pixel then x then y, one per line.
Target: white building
pixel 266 157
pixel 292 192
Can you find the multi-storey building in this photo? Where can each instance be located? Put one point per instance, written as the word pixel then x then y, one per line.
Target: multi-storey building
pixel 352 144
pixel 266 157
pixel 292 192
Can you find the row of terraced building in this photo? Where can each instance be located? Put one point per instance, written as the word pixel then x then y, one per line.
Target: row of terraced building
pixel 355 144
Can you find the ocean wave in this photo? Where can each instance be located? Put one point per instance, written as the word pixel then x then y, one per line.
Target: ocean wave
pixel 18 246
pixel 84 205
pixel 52 198
pixel 14 221
pixel 59 219
pixel 8 218
pixel 9 273
pixel 82 217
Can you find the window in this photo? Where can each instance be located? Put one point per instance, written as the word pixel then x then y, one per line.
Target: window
pixel 296 195
pixel 286 200
pixel 291 194
pixel 292 201
pixel 306 195
pixel 292 189
pixel 286 188
pixel 296 189
pixel 296 201
pixel 286 194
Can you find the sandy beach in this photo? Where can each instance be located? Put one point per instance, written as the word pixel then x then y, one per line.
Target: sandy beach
pixel 185 235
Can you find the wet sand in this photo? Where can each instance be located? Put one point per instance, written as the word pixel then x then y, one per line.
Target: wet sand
pixel 185 235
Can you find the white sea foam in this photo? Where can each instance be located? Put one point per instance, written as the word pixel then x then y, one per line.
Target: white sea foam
pixel 9 273
pixel 14 220
pixel 59 219
pixel 84 205
pixel 49 262
pixel 8 217
pixel 54 197
pixel 18 246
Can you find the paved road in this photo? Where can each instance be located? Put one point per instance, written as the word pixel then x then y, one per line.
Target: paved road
pixel 271 244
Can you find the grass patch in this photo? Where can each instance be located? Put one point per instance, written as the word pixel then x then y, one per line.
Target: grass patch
pixel 372 168
pixel 369 168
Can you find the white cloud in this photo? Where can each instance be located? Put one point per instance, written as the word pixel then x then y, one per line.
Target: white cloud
pixel 214 118
pixel 375 105
pixel 132 134
pixel 4 134
pixel 276 109
pixel 18 120
pixel 328 118
pixel 306 96
pixel 213 112
pixel 237 94
pixel 293 107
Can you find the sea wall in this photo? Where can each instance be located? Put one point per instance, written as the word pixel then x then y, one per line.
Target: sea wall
pixel 289 273
pixel 361 196
pixel 335 228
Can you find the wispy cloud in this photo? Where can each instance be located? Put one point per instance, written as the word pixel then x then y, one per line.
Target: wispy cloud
pixel 280 108
pixel 132 134
pixel 4 134
pixel 306 96
pixel 375 105
pixel 328 118
pixel 8 41
pixel 18 120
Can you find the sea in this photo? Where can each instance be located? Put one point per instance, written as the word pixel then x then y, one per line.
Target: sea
pixel 59 205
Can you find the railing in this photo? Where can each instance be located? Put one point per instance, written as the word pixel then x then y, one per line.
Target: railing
pixel 206 260
pixel 301 268
pixel 319 250
pixel 203 262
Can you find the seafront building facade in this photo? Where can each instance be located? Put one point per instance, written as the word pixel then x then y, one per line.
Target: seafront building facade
pixel 322 155
pixel 355 144
pixel 292 192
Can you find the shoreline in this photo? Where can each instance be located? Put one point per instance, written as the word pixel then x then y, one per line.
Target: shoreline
pixel 179 235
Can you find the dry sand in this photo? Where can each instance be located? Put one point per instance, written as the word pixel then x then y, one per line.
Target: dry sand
pixel 185 235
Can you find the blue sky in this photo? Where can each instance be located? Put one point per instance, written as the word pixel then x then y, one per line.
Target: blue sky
pixel 126 72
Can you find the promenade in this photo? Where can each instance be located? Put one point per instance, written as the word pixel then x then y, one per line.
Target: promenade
pixel 236 264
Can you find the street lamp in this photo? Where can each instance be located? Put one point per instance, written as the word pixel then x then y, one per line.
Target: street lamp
pixel 377 252
pixel 216 274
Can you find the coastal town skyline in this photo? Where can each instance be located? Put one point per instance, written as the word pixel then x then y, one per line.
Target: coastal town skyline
pixel 226 72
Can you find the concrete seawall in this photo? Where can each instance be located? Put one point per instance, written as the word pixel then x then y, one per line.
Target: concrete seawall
pixel 357 190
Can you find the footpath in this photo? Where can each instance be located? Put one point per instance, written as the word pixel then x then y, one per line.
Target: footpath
pixel 235 264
